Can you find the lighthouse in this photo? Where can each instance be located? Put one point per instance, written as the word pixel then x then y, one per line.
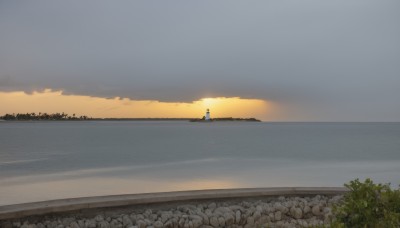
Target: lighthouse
pixel 208 115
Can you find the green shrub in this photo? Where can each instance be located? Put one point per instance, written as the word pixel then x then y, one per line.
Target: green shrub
pixel 368 205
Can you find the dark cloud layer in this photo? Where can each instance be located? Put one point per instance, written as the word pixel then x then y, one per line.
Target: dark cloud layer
pixel 336 59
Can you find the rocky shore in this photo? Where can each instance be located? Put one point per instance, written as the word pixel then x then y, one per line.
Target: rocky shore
pixel 268 212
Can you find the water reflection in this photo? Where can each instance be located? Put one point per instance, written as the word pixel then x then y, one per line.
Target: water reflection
pixel 191 175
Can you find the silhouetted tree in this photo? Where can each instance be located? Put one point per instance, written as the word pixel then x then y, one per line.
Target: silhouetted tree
pixel 44 116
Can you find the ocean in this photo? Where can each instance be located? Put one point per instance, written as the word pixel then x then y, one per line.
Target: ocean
pixel 52 160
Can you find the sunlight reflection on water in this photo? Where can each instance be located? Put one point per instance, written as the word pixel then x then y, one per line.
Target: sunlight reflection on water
pixel 206 174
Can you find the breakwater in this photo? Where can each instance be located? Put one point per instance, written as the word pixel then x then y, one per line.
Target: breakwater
pixel 284 207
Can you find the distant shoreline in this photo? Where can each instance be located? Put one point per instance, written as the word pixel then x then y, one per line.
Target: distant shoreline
pixel 66 117
pixel 138 119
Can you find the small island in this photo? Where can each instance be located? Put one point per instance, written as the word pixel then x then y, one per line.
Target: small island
pixel 225 119
pixel 207 118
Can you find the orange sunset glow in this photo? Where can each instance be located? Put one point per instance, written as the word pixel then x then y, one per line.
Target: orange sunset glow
pixel 55 101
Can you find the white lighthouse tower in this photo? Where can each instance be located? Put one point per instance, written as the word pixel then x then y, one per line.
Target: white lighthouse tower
pixel 208 118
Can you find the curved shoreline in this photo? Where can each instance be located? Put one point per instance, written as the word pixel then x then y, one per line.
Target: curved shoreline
pixel 115 201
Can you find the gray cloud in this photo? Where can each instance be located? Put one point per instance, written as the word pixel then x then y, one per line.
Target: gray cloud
pixel 339 58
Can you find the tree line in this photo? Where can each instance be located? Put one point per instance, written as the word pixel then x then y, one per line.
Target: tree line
pixel 43 116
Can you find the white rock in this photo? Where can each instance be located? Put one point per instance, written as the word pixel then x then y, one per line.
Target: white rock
pixel 214 221
pixel 296 212
pixel 158 224
pixel 148 222
pixel 307 209
pixel 238 216
pixel 74 225
pixel 102 224
pixel 246 204
pixel 257 215
pixel 99 218
pixel 141 224
pixel 279 207
pixel 181 222
pixel 147 212
pixel 222 210
pixel 316 210
pixel 251 210
pixel 303 223
pixel 114 224
pixel 208 212
pixel 126 221
pixel 271 216
pixel 194 217
pixel 90 223
pixel 229 219
pixel 197 223
pixel 288 204
pixel 81 223
pixel 278 216
pixel 169 224
pixel 221 221
pixel 250 221
pixel 153 217
pixel 206 220
pixel 236 207
pixel 165 217
pixel 212 206
pixel 67 221
pixel 266 209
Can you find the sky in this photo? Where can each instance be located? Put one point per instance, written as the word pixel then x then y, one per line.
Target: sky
pixel 289 60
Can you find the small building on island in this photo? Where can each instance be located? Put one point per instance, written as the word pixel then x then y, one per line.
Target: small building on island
pixel 208 115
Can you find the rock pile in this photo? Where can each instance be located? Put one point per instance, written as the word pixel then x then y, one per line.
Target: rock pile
pixel 271 212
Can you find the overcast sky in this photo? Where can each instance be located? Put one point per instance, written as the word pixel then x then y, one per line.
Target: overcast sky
pixel 335 60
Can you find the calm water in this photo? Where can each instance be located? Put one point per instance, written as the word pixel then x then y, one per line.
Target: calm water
pixel 49 160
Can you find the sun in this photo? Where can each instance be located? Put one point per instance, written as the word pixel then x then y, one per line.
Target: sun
pixel 209 102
